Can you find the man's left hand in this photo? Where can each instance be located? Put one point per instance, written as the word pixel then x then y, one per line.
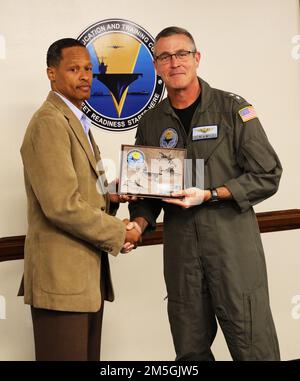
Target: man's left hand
pixel 188 197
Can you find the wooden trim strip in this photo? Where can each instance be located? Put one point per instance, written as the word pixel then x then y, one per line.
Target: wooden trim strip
pixel 12 248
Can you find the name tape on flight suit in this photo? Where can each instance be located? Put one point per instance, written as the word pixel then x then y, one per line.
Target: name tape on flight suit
pixel 205 132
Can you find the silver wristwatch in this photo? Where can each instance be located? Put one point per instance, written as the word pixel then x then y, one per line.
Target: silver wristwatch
pixel 214 195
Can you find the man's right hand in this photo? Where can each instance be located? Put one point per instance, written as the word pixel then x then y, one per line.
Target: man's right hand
pixel 132 237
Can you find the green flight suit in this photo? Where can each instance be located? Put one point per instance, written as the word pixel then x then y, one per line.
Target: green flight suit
pixel 214 264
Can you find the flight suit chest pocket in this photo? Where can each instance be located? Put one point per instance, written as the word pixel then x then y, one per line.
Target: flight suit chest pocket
pixel 208 140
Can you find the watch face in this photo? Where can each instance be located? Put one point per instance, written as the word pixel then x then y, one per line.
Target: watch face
pixel 214 195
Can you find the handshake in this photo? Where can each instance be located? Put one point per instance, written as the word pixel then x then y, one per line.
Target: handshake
pixel 133 236
pixel 133 229
pixel 185 198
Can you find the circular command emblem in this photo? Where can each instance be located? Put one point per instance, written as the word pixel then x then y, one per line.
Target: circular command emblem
pixel 125 84
pixel 169 138
pixel 135 159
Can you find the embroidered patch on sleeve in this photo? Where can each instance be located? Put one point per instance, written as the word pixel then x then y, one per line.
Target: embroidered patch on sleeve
pixel 247 113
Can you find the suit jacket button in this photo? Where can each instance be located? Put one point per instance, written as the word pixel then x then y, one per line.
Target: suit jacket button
pixel 103 208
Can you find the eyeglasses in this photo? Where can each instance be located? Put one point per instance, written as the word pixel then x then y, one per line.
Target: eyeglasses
pixel 181 56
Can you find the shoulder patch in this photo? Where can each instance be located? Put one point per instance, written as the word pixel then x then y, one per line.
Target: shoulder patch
pixel 247 113
pixel 236 97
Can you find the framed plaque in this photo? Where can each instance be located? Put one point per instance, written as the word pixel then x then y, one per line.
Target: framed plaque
pixel 151 171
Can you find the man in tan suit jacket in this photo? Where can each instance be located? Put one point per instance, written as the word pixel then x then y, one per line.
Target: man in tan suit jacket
pixel 71 223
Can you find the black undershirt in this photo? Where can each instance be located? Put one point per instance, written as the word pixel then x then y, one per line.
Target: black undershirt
pixel 186 114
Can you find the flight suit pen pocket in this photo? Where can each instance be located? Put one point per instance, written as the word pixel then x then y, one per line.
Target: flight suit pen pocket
pixel 248 321
pixel 258 156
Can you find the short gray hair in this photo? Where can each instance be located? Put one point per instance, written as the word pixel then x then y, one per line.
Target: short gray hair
pixel 173 30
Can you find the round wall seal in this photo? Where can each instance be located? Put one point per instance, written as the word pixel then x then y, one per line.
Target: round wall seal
pixel 125 84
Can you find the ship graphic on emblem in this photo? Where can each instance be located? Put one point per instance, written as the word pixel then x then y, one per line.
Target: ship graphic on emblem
pixel 116 83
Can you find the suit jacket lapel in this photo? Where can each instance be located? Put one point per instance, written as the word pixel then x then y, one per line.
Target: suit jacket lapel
pixel 95 147
pixel 81 136
pixel 102 181
pixel 76 126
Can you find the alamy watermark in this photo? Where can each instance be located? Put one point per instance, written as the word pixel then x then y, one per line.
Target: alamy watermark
pixel 2 47
pixel 295 53
pixel 2 308
pixel 296 309
pixel 154 175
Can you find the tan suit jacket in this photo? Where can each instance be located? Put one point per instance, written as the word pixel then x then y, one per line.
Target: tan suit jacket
pixel 70 229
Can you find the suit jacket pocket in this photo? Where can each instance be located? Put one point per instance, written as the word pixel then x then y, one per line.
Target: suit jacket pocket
pixel 63 265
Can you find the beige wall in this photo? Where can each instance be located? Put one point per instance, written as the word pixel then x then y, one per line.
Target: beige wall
pixel 246 48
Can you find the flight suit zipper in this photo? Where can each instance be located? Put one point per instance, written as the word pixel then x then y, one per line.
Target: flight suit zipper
pixel 185 138
pixel 250 318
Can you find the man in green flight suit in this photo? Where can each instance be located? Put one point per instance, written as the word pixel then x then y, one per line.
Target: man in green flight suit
pixel 214 263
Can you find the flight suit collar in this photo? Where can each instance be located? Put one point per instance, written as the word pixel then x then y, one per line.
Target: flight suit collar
pixel 204 115
pixel 207 115
pixel 206 96
pixel 206 99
